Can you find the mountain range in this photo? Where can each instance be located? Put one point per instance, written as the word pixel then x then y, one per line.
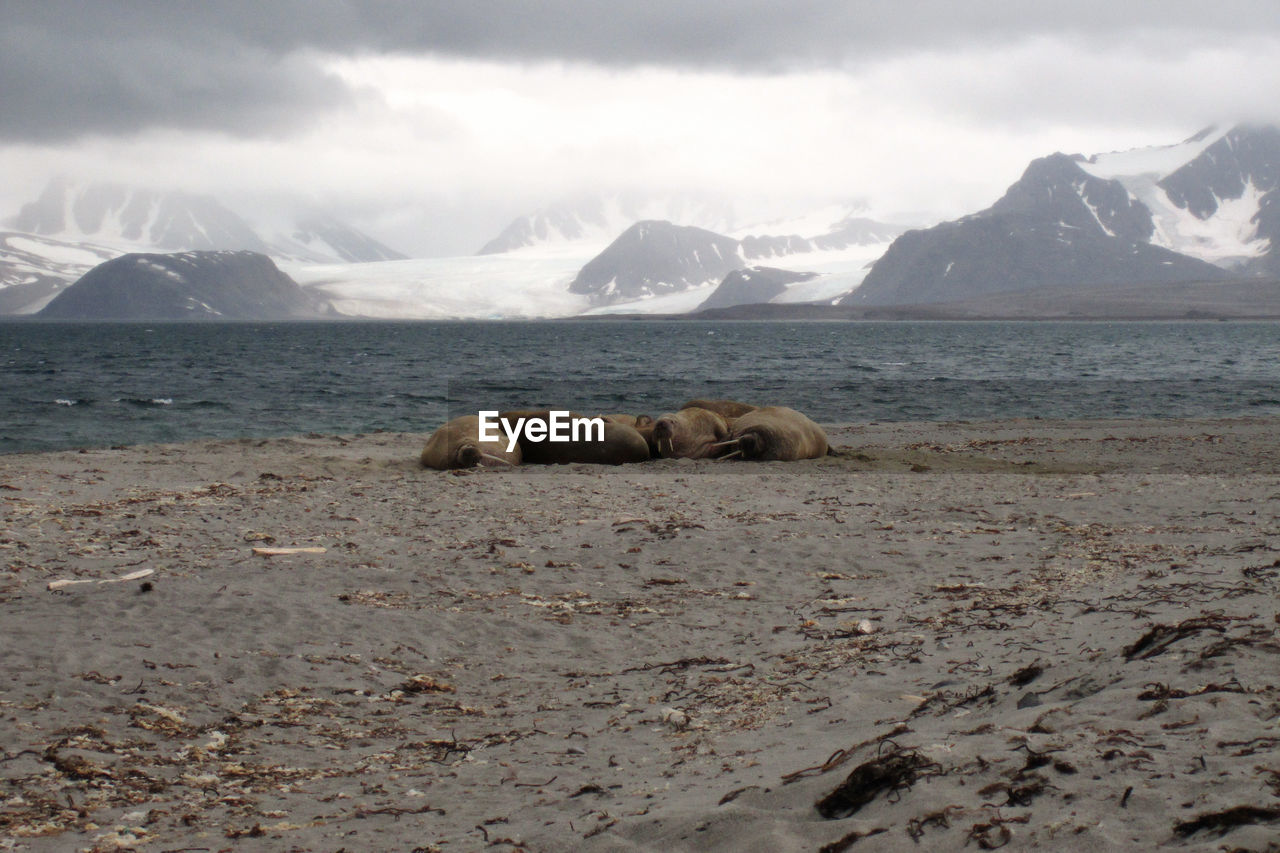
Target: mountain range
pixel 72 227
pixel 1201 211
pixel 1135 232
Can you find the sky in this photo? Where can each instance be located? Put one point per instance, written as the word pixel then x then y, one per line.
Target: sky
pixel 432 124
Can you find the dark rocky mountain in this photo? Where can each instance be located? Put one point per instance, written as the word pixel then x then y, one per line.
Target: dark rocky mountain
pixel 652 258
pixel 752 286
pixel 1057 226
pixel 221 285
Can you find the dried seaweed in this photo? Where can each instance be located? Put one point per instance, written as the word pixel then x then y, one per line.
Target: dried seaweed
pixel 890 773
pixel 1225 821
pixel 1160 637
pixel 845 842
pixel 1027 674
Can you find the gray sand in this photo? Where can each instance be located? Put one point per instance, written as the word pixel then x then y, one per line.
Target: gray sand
pixel 1034 634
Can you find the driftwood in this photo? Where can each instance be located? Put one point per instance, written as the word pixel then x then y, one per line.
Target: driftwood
pixel 132 576
pixel 284 552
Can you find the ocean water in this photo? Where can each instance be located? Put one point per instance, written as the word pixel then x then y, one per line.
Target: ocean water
pixel 93 385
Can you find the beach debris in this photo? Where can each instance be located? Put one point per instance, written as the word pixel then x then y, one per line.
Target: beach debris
pixel 940 819
pixel 844 842
pixel 675 719
pixel 131 576
pixel 1225 821
pixel 1027 674
pixel 893 771
pixel 424 684
pixel 1160 637
pixel 285 552
pixel 981 833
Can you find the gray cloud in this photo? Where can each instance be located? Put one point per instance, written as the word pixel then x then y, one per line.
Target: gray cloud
pixel 64 84
pixel 248 68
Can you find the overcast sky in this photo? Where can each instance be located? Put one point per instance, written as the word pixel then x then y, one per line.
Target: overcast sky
pixel 432 124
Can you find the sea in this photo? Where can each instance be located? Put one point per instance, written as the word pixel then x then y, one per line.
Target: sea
pixel 89 385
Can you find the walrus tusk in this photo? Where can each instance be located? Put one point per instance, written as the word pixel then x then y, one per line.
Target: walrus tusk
pixel 731 455
pixel 729 442
pixel 493 458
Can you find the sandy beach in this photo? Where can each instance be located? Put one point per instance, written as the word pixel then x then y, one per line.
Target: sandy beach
pixel 1028 634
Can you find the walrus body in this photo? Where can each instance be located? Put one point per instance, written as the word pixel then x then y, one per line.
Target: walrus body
pixel 621 443
pixel 457 444
pixel 691 433
pixel 776 433
pixel 727 409
pixel 636 421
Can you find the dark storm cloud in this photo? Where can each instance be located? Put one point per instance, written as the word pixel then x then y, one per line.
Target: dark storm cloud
pixel 250 68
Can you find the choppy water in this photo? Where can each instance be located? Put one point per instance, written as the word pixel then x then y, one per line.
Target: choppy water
pixel 82 385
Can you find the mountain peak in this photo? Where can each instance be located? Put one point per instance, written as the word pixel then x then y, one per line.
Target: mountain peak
pixel 134 218
pixel 194 285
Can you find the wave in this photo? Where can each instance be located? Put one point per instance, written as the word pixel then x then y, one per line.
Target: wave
pixel 144 401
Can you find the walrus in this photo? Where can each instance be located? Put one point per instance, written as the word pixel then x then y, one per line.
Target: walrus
pixel 620 443
pixel 775 433
pixel 727 409
pixel 636 421
pixel 691 433
pixel 457 444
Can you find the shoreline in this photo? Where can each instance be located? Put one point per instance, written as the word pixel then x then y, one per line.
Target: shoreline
pixel 1062 633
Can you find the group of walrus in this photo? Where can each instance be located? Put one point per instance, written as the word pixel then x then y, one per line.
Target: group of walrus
pixel 701 429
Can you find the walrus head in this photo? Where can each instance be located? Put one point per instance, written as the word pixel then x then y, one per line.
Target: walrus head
pixel 468 456
pixel 751 445
pixel 688 433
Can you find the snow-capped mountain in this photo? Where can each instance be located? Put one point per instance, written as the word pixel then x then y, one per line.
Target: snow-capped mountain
pixel 319 237
pixel 1200 211
pixel 588 224
pixel 1213 197
pixel 117 215
pixel 73 227
pixel 136 219
pixel 753 286
pixel 34 269
pixel 657 259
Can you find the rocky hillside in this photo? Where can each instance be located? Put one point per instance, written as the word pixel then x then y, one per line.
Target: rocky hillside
pixel 185 286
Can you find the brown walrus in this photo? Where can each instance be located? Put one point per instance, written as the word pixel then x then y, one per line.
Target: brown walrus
pixel 457 444
pixel 727 409
pixel 636 421
pixel 691 433
pixel 776 433
pixel 620 443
